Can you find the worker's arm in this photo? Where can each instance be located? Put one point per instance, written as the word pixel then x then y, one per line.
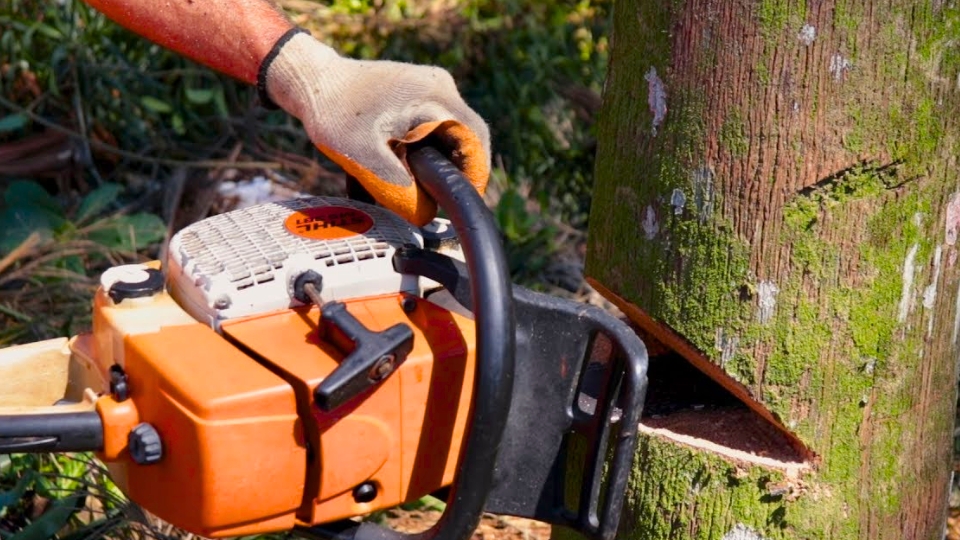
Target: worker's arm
pixel 359 113
pixel 231 36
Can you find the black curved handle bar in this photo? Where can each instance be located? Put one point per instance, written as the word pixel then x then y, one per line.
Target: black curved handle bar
pixel 493 381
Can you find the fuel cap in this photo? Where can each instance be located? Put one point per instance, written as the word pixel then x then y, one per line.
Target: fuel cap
pixel 131 281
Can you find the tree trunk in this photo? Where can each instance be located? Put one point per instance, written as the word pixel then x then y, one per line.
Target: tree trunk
pixel 777 200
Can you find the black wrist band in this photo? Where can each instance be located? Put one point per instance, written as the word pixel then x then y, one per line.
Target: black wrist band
pixel 265 65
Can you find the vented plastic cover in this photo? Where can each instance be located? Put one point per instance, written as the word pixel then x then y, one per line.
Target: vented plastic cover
pixel 244 262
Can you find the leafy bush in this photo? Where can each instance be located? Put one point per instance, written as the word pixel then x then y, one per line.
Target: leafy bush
pixel 48 247
pixel 95 122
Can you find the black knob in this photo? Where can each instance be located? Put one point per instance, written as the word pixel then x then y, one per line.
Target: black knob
pixel 144 443
pixel 365 492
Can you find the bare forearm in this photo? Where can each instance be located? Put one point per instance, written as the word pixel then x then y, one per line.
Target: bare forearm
pixel 231 36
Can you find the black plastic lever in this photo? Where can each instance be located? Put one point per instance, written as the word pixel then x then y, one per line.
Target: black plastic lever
pixel 374 357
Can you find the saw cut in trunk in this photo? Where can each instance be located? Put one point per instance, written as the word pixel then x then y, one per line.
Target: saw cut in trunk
pixel 777 202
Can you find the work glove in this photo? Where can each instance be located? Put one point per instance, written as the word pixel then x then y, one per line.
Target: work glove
pixel 362 114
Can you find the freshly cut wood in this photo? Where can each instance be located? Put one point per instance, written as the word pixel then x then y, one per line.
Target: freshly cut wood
pixel 34 374
pixel 777 201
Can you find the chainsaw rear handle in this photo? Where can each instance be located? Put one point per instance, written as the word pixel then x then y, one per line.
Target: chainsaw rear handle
pixel 493 310
pixel 51 432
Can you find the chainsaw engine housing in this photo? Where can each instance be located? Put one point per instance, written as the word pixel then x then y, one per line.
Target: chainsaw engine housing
pixel 222 363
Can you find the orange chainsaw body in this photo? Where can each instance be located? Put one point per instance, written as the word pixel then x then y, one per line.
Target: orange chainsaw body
pixel 299 363
pixel 245 448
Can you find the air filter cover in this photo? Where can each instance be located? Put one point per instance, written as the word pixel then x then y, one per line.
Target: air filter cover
pixel 244 262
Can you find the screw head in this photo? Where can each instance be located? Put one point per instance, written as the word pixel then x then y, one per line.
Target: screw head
pixel 408 304
pixel 382 368
pixel 365 492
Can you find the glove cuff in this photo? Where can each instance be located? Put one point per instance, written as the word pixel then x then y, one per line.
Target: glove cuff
pixel 267 60
pixel 299 75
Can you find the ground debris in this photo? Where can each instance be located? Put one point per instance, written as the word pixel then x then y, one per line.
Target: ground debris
pixel 492 527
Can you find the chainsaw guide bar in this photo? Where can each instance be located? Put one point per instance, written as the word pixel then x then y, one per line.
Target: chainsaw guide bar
pixel 294 365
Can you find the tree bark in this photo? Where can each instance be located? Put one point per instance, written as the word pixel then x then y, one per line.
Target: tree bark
pixel 777 199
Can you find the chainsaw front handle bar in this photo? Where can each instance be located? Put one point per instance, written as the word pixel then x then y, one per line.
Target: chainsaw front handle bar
pixel 493 311
pixel 494 315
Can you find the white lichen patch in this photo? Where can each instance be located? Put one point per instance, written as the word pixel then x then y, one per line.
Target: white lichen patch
pixel 678 201
pixel 650 225
pixel 953 220
pixel 839 66
pixel 807 34
pixel 956 318
pixel 656 98
pixel 930 293
pixel 742 532
pixel 727 345
pixel 909 270
pixel 703 192
pixel 767 293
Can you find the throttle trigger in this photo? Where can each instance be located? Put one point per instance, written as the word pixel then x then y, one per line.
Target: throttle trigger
pixel 374 357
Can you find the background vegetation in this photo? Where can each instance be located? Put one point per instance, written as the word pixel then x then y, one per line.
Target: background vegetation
pixel 108 144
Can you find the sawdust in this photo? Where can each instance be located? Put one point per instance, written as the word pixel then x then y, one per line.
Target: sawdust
pixel 492 527
pixel 953 525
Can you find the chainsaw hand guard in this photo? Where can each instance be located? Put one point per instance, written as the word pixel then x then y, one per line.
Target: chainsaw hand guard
pixel 579 388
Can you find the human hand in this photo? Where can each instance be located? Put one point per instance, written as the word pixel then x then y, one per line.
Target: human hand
pixel 363 113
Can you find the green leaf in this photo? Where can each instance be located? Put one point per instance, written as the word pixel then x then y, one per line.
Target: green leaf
pixel 25 193
pixel 155 105
pixel 10 498
pixel 54 519
pixel 199 96
pixel 16 224
pixel 129 233
pixel 178 126
pixel 48 31
pixel 97 201
pixel 29 208
pixel 220 103
pixel 13 122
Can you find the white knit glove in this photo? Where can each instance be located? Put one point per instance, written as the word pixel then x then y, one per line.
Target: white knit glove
pixel 361 113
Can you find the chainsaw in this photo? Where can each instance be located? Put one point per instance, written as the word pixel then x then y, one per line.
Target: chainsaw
pixel 295 365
